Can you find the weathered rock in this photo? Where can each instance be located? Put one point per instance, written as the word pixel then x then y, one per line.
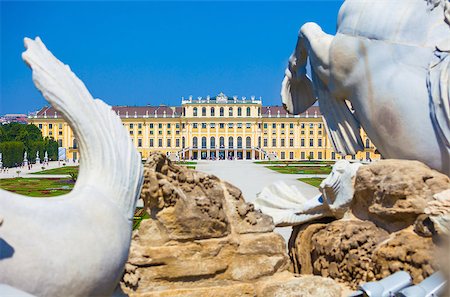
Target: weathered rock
pixel 203 240
pixel 393 193
pixel 399 213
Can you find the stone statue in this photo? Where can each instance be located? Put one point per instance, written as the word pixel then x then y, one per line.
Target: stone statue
pixel 75 244
pixel 386 70
pixel 288 206
pixel 45 156
pixel 1 159
pixel 25 160
pixel 38 160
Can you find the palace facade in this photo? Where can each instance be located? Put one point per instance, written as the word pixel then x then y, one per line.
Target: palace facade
pixel 215 127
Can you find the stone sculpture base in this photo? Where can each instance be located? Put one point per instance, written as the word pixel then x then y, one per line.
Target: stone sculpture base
pixel 204 240
pixel 394 223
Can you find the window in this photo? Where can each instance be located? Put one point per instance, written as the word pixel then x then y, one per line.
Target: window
pixel 160 126
pixel 239 142
pixel 302 126
pixel 204 112
pixel 195 111
pixel 248 125
pixel 40 126
pixel 222 142
pixel 259 141
pixel 239 125
pixel 194 125
pixel 212 142
pixel 282 126
pixel 302 155
pixel 311 132
pixel 194 142
pixel 302 142
pixel 283 155
pixel 265 142
pixel 282 142
pixel 239 112
pixel 131 126
pixel 183 142
pixel 311 155
pixel 221 125
pixel 230 125
pixel 248 111
pixel 291 155
pixel 50 126
pixel 139 142
pixel 333 155
pixel 151 126
pixel 203 142
pixel 319 125
pixel 353 157
pixel 303 132
pixel 291 126
pixel 212 125
pixel 274 142
pixel 291 142
pixel 59 142
pixel 213 112
pixel 368 156
pixel 319 142
pixel 311 142
pixel 151 142
pixel 131 132
pixel 274 126
pixel 230 142
pixel 168 126
pixel 159 142
pixel 221 111
pixel 367 143
pixel 320 132
pixel 203 125
pixel 60 126
pixel 230 111
pixel 60 133
pixel 75 143
pixel 248 142
pixel 265 126
pixel 319 155
pixel 169 142
pixel 177 125
pixel 139 126
pixel 160 132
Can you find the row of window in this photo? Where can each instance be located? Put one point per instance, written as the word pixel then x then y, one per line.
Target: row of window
pixel 212 111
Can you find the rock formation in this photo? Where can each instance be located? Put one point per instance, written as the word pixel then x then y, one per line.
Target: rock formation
pixel 397 220
pixel 203 240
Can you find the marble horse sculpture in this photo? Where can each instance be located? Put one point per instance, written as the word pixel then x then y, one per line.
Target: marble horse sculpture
pixel 76 244
pixel 288 206
pixel 386 70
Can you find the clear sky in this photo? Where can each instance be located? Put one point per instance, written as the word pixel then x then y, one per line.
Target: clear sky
pixel 138 53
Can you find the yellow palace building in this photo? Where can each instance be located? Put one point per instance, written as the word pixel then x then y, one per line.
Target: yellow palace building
pixel 218 127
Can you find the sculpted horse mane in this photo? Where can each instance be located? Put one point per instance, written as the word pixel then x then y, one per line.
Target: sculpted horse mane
pixel 386 70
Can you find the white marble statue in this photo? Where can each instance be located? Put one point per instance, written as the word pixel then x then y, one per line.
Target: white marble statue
pixel 25 160
pixel 76 244
pixel 1 159
pixel 386 70
pixel 288 206
pixel 45 156
pixel 38 160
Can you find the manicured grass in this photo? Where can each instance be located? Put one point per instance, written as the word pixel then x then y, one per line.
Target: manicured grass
pixel 312 181
pixel 301 169
pixel 280 162
pixel 37 187
pixel 188 164
pixel 61 170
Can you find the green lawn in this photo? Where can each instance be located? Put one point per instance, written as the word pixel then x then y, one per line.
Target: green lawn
pixel 312 181
pixel 37 187
pixel 188 164
pixel 280 162
pixel 61 170
pixel 301 169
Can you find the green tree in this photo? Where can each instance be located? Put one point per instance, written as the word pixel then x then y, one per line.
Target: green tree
pixel 12 153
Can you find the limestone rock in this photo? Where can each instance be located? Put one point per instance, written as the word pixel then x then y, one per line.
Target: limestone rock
pixel 393 193
pixel 399 215
pixel 203 240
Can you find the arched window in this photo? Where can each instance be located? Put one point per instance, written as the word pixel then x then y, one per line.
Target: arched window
pixel 203 142
pixel 75 144
pixel 367 143
pixel 239 112
pixel 248 111
pixel 230 111
pixel 195 111
pixel 204 112
pixel 212 142
pixel 248 142
pixel 239 142
pixel 230 142
pixel 213 112
pixel 222 142
pixel 194 142
pixel 221 112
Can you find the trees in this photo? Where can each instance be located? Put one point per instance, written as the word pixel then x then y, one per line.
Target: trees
pixel 17 138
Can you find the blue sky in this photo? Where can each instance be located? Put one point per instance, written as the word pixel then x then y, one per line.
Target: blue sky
pixel 138 53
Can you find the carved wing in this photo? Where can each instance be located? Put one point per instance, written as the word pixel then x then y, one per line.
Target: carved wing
pixel 108 159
